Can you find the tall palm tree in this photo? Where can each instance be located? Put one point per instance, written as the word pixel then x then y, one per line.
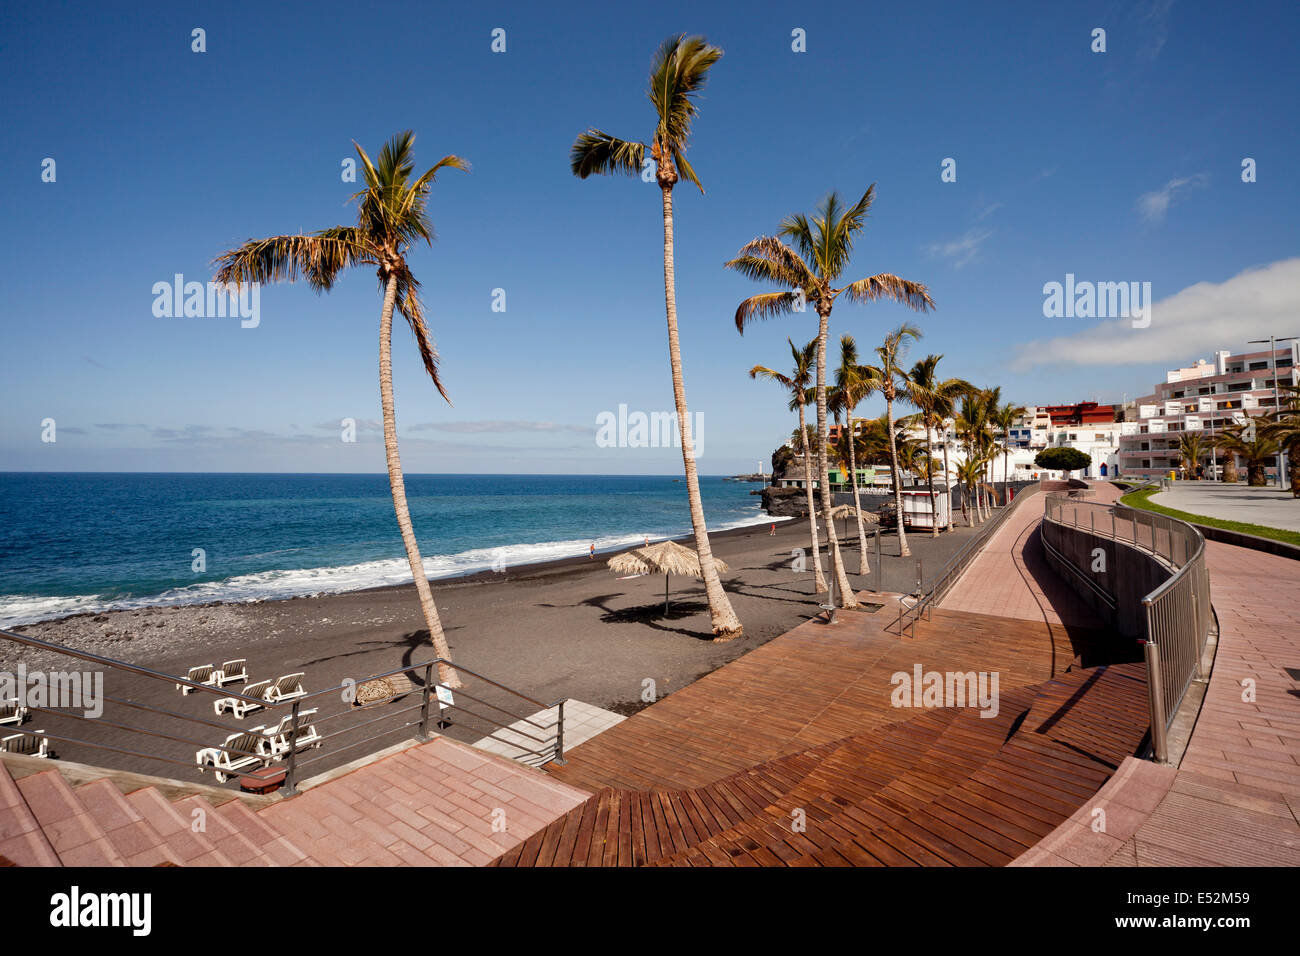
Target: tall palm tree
pixel 798 384
pixel 853 383
pixel 968 473
pixel 991 397
pixel 934 398
pixel 1004 419
pixel 893 383
pixel 809 271
pixel 972 425
pixel 392 215
pixel 677 75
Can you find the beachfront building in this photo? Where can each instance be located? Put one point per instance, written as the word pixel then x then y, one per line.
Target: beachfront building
pixel 1203 399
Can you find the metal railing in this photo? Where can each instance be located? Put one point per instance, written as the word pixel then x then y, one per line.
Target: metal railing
pixel 295 725
pixel 1176 617
pixel 924 602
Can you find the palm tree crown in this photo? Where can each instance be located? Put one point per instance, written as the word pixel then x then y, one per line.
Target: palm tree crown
pixel 677 75
pixel 392 214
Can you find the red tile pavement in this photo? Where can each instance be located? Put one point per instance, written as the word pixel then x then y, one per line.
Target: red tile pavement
pixel 1011 577
pixel 439 803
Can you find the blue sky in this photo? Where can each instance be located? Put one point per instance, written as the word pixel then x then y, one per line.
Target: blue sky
pixel 1115 166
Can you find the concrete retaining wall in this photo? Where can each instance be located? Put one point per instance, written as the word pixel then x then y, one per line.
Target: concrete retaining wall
pixel 1129 574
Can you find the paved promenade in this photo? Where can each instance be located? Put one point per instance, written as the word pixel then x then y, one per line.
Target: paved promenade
pixel 1011 577
pixel 1270 507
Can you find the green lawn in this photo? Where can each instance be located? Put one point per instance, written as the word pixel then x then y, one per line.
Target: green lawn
pixel 1141 499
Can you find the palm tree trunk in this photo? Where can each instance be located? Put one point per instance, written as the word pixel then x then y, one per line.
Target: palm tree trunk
pixel 929 482
pixel 446 674
pixel 903 550
pixel 1006 463
pixel 838 575
pixel 863 566
pixel 947 482
pixel 819 580
pixel 726 626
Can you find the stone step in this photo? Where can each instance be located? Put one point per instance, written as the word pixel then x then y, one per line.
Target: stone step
pixel 277 847
pixel 226 837
pixel 193 849
pixel 134 837
pixel 21 839
pixel 70 829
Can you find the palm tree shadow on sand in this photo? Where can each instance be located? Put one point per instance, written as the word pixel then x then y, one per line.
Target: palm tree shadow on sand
pixel 652 615
pixel 412 642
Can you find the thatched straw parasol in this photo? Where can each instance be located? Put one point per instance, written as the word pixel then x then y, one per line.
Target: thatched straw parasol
pixel 848 511
pixel 666 558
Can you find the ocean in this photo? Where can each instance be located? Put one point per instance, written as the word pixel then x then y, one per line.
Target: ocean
pixel 75 543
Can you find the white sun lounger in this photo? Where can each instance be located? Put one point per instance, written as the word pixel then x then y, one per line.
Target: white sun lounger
pixel 31 745
pixel 285 688
pixel 242 708
pixel 247 753
pixel 200 675
pixel 12 712
pixel 277 742
pixel 231 671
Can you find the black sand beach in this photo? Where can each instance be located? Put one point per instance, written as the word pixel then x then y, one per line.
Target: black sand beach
pixel 568 628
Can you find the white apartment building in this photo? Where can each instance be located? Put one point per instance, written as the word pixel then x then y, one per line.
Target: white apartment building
pixel 1203 398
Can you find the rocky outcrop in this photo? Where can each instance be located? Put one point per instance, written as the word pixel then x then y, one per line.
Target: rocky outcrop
pixel 784 502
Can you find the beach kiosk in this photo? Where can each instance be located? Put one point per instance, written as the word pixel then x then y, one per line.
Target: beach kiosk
pixel 922 511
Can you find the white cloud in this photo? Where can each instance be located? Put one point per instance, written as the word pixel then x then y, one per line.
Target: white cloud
pixel 1156 16
pixel 961 250
pixel 482 427
pixel 1155 204
pixel 1187 325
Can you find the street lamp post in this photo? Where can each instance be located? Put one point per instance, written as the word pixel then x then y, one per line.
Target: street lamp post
pixel 1277 403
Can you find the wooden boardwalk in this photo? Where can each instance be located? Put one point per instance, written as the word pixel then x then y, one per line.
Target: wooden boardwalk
pixel 795 754
pixel 944 788
pixel 815 684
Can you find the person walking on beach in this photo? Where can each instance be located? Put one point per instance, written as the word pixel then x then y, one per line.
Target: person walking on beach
pixel 593 551
pixel 772 532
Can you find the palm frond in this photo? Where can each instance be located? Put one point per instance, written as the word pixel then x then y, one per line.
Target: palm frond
pixel 409 305
pixel 317 258
pixel 914 295
pixel 603 154
pixel 764 306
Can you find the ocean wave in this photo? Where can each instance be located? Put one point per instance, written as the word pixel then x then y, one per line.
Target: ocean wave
pixel 19 609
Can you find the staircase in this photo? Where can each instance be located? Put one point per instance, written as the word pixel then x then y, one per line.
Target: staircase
pixel 437 803
pixel 946 787
pixel 44 821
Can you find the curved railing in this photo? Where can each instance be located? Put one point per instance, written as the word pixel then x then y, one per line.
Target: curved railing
pixel 1175 616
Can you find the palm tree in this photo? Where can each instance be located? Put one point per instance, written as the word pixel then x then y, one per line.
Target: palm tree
pixel 797 383
pixel 824 245
pixel 1255 451
pixel 1192 447
pixel 894 384
pixel 392 214
pixel 991 397
pixel 968 473
pixel 1004 419
pixel 853 383
pixel 972 425
pixel 1284 428
pixel 935 399
pixel 677 75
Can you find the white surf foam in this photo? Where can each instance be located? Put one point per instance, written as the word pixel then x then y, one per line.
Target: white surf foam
pixel 19 609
